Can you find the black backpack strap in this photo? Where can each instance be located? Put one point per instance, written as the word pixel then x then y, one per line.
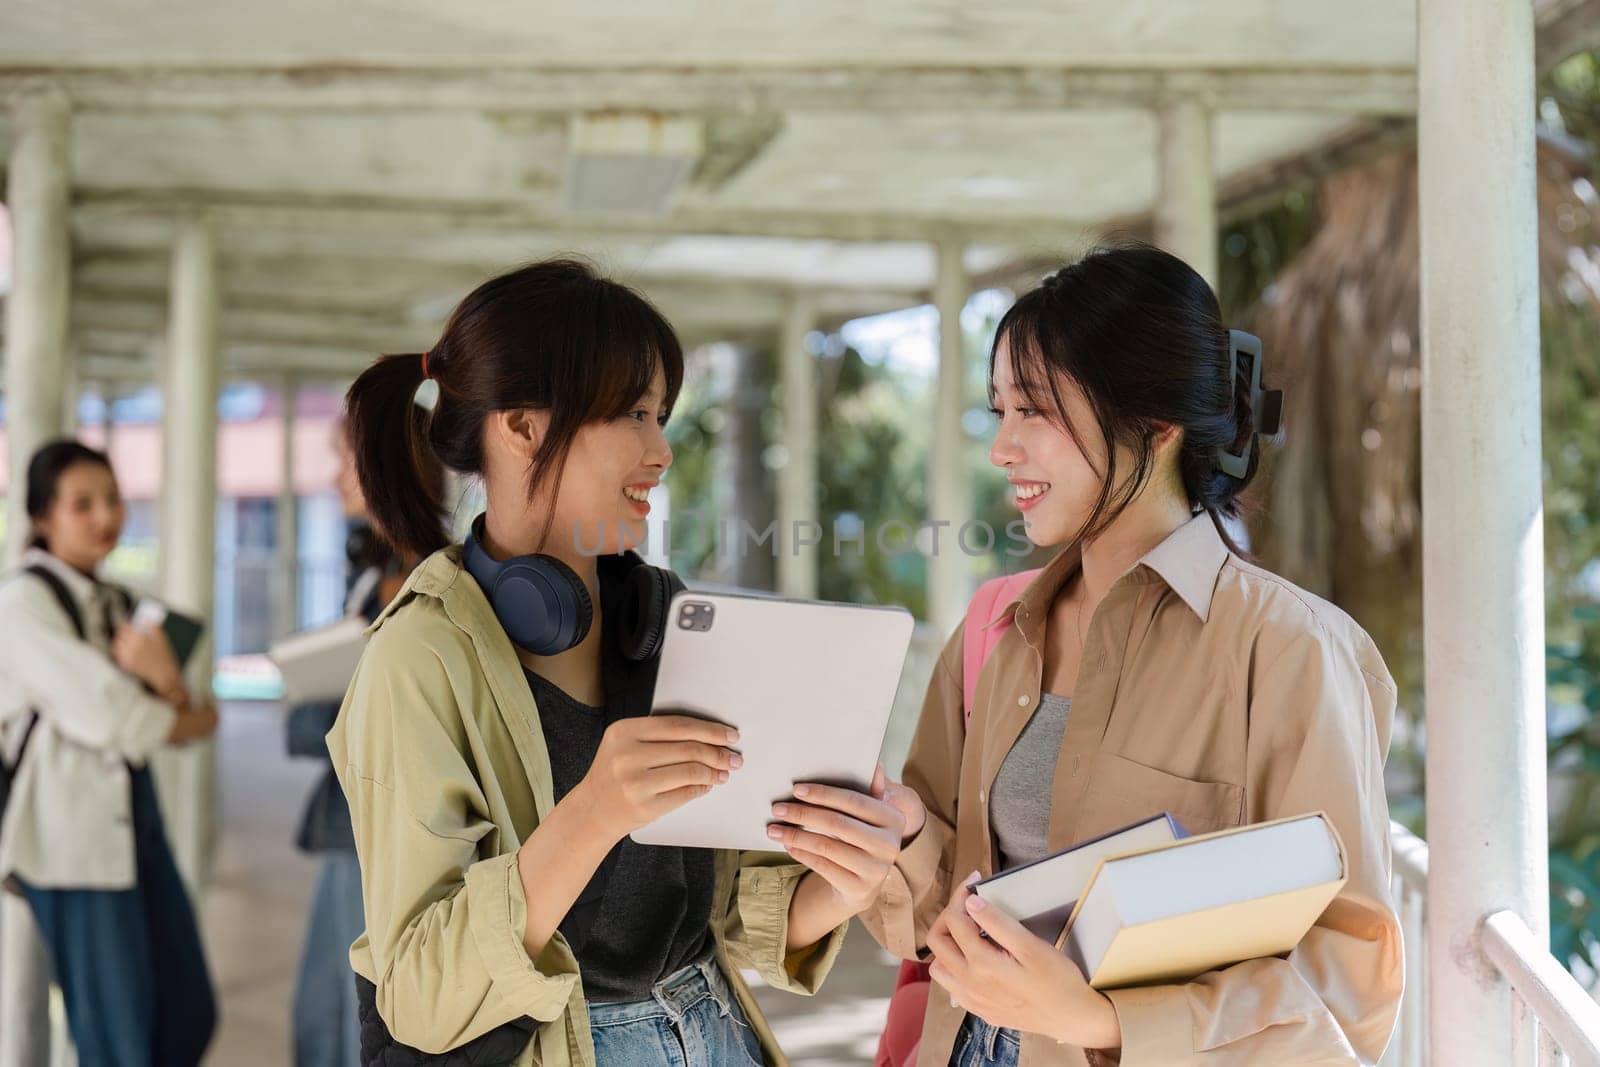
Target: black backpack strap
pixel 63 596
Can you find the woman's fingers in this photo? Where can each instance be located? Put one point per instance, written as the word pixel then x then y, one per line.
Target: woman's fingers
pixel 682 728
pixel 876 840
pixel 966 934
pixel 840 852
pixel 862 806
pixel 836 875
pixel 663 753
pixel 944 946
pixel 659 780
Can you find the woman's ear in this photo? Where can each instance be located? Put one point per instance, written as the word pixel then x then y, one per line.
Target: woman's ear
pixel 519 431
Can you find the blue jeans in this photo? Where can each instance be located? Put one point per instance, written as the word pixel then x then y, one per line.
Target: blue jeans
pixel 690 1020
pixel 981 1045
pixel 129 961
pixel 327 1031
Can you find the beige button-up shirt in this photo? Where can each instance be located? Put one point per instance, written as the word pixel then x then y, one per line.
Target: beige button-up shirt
pixel 1219 692
pixel 440 753
pixel 68 824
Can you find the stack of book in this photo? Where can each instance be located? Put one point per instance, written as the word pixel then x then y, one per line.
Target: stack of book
pixel 1147 904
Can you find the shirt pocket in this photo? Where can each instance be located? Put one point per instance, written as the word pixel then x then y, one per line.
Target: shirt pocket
pixel 1121 792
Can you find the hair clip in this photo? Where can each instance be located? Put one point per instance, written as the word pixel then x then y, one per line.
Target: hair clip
pixel 425 374
pixel 1266 405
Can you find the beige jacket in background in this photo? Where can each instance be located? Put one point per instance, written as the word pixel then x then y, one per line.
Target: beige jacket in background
pixel 69 822
pixel 439 750
pixel 1221 693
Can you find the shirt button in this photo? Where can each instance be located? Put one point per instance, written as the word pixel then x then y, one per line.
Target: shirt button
pixel 1022 701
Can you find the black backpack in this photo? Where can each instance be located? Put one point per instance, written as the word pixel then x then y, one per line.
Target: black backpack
pixel 497 1048
pixel 8 771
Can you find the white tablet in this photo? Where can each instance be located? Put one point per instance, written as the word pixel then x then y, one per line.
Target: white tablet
pixel 808 685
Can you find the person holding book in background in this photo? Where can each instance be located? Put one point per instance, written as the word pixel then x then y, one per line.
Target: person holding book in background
pixel 327 1026
pixel 1148 668
pixel 497 746
pixel 86 697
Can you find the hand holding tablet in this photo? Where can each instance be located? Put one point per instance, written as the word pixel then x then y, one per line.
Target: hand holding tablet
pixel 851 839
pixel 649 766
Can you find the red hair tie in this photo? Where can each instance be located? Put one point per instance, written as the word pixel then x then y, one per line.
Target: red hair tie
pixel 425 374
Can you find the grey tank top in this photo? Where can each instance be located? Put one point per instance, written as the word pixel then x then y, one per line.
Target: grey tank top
pixel 1019 800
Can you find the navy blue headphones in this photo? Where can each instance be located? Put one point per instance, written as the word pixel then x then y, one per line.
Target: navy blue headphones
pixel 545 609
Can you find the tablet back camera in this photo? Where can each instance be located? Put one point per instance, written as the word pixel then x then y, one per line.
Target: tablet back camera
pixel 696 615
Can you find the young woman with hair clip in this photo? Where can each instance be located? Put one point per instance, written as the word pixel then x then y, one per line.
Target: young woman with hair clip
pixel 86 698
pixel 1148 667
pixel 495 746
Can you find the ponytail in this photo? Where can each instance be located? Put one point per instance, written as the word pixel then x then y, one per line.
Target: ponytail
pixel 394 460
pixel 551 336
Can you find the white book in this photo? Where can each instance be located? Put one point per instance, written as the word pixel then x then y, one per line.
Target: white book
pixel 1181 909
pixel 318 664
pixel 1040 895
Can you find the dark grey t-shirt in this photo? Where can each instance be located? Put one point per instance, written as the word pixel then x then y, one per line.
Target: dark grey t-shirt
pixel 646 913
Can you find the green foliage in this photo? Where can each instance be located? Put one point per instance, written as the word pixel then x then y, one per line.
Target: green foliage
pixel 874 440
pixel 1570 339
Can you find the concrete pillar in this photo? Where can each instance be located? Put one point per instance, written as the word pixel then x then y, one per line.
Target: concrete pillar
pixel 1186 192
pixel 37 190
pixel 71 392
pixel 108 397
pixel 38 187
pixel 24 985
pixel 188 516
pixel 288 515
pixel 797 480
pixel 1481 508
pixel 949 482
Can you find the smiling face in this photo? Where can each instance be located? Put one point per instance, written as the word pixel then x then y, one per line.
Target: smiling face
pixel 612 466
pixel 1055 482
pixel 84 519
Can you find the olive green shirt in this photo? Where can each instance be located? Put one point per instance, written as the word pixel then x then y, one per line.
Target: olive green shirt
pixel 440 753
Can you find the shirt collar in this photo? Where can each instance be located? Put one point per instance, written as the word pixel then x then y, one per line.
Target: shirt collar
pixel 1189 561
pixel 80 585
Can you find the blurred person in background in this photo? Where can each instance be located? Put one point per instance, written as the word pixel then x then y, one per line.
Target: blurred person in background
pixel 327 1030
pixel 86 698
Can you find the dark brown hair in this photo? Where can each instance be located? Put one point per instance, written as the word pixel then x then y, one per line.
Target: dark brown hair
pixel 551 336
pixel 1141 333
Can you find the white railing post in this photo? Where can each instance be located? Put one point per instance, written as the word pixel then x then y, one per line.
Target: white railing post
pixel 1483 616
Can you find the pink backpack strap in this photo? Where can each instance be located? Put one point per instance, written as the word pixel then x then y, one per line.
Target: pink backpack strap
pixel 978 638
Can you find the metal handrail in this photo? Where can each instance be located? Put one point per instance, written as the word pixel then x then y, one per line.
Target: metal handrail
pixel 1410 856
pixel 1557 1000
pixel 1562 1019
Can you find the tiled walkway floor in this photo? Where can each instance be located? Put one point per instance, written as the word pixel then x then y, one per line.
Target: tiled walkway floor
pixel 255 908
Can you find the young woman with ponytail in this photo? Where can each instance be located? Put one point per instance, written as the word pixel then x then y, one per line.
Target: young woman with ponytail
pixel 492 787
pixel 1148 667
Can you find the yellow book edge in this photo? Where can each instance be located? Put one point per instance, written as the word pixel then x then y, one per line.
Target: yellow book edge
pixel 1338 844
pixel 1177 948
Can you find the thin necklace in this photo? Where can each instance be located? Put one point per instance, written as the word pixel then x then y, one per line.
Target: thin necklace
pixel 1082 597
